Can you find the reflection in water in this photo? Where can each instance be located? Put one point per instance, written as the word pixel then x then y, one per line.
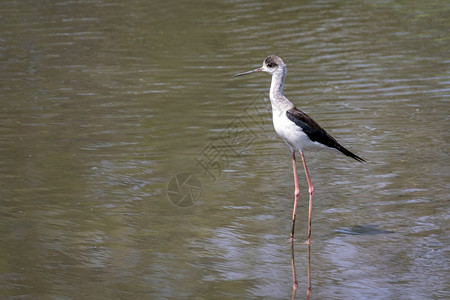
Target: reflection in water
pixel 294 273
pixel 362 229
pixel 309 291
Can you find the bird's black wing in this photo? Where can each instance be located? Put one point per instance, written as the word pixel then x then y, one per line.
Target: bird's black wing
pixel 316 133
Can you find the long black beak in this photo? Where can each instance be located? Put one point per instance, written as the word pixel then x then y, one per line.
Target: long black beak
pixel 249 72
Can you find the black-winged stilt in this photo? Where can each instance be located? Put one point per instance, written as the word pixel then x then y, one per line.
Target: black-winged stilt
pixel 298 130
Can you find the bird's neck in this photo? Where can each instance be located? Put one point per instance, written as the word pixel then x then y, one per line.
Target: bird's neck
pixel 276 87
pixel 277 98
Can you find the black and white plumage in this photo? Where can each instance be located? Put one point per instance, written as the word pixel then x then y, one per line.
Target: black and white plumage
pixel 316 133
pixel 298 130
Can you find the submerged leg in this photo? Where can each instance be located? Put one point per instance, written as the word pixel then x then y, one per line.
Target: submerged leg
pixel 294 273
pixel 309 291
pixel 311 194
pixel 296 194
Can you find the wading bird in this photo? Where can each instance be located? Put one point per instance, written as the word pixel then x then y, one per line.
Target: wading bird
pixel 298 130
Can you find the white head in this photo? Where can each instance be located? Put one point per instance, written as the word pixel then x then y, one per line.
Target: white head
pixel 272 64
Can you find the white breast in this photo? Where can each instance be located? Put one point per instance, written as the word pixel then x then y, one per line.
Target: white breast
pixel 292 134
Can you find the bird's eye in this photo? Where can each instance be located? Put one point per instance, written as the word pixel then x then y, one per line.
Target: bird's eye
pixel 270 65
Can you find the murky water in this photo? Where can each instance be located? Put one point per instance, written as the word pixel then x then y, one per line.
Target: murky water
pixel 107 108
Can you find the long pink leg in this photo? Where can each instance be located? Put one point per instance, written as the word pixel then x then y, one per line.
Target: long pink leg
pixel 296 194
pixel 311 194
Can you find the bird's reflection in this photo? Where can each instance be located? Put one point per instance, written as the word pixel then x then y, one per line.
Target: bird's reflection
pixel 309 291
pixel 294 273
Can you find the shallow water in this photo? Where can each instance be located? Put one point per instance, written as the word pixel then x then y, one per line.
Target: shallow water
pixel 108 107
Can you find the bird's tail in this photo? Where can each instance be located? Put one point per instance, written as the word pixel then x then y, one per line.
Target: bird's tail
pixel 350 154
